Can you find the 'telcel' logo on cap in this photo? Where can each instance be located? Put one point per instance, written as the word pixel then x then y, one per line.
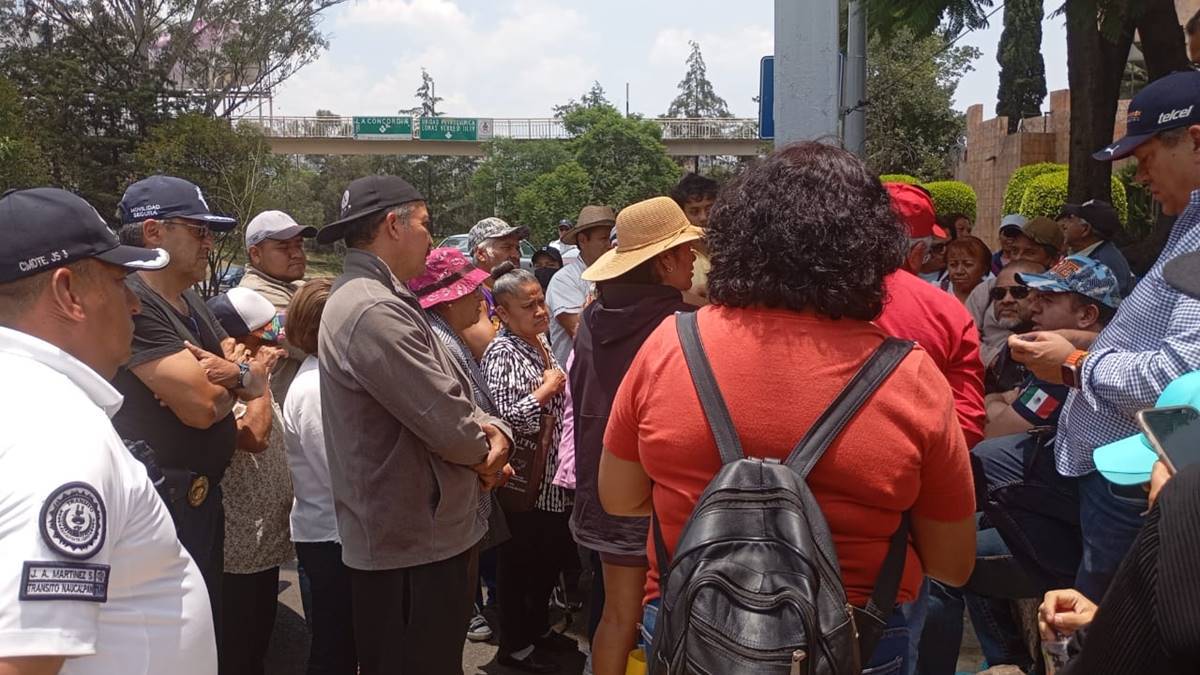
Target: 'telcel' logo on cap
pixel 1175 114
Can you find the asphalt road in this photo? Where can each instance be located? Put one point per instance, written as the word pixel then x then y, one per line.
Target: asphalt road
pixel 288 653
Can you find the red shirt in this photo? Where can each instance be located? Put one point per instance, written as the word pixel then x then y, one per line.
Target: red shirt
pixel 778 370
pixel 917 310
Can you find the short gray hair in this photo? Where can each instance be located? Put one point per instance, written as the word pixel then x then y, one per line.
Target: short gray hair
pixel 132 234
pixel 510 283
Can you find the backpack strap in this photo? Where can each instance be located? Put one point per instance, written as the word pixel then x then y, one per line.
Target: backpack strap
pixel 713 405
pixel 830 424
pixel 812 447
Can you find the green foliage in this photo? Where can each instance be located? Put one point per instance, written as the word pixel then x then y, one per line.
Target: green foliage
pixel 696 95
pixel 1142 211
pixel 1014 192
pixel 951 196
pixel 427 96
pixel 625 160
pixel 508 166
pixel 552 196
pixel 1046 194
pixel 912 126
pixel 923 17
pixel 592 98
pixel 1022 70
pixel 21 161
pixel 899 178
pixel 236 170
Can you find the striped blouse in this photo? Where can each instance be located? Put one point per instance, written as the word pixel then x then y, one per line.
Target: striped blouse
pixel 513 368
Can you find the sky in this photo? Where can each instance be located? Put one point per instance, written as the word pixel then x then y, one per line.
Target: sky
pixel 519 58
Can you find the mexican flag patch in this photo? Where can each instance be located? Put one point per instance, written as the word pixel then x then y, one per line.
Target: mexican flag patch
pixel 1039 402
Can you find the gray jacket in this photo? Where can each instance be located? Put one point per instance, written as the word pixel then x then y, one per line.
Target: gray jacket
pixel 401 429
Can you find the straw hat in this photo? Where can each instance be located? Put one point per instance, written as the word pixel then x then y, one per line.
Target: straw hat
pixel 589 217
pixel 644 230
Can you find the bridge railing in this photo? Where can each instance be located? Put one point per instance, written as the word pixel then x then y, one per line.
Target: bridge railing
pixel 515 128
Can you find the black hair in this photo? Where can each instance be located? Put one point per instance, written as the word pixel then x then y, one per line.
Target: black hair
pixel 1193 24
pixel 364 230
pixel 694 187
pixel 809 227
pixel 645 273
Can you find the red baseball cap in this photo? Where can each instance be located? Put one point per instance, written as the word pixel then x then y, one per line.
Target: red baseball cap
pixel 915 209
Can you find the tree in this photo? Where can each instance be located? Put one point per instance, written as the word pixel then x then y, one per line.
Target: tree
pixel 550 197
pixel 1022 71
pixel 623 157
pixel 427 96
pixel 222 53
pixel 911 125
pixel 592 98
pixel 21 161
pixel 923 17
pixel 235 168
pixel 507 167
pixel 696 96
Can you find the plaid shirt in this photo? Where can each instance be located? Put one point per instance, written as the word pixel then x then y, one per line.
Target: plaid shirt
pixel 1154 339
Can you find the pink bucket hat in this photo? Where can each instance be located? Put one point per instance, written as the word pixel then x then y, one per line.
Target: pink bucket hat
pixel 448 276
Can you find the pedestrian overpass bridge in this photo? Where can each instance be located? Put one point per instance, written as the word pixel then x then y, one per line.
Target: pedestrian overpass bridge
pixel 336 136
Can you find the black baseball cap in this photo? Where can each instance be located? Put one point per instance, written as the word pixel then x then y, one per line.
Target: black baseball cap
pixel 163 197
pixel 44 228
pixel 366 196
pixel 1167 103
pixel 1095 212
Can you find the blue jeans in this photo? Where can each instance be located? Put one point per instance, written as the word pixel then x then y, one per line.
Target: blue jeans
pixel 890 657
pixel 1109 518
pixel 939 611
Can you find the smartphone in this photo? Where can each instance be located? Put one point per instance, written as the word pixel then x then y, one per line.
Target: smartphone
pixel 1174 433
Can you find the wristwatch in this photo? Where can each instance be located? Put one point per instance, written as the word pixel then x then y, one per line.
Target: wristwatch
pixel 243 371
pixel 1072 369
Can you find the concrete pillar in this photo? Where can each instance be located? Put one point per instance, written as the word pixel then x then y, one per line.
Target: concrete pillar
pixel 854 127
pixel 806 70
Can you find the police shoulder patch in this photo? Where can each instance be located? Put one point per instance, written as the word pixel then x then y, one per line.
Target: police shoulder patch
pixel 73 520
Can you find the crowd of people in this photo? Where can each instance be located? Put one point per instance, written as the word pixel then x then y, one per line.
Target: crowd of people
pixel 434 433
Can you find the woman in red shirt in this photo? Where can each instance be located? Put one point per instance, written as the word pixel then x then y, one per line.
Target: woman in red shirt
pixel 800 246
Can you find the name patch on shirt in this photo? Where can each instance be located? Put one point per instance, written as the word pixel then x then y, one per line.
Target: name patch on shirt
pixel 73 520
pixel 54 580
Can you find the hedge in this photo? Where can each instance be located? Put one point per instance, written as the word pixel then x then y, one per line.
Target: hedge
pixel 951 196
pixel 899 178
pixel 1014 192
pixel 1046 194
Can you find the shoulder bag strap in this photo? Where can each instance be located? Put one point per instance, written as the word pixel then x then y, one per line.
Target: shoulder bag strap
pixel 713 405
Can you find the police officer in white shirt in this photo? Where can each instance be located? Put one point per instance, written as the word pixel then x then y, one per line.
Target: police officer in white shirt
pixel 92 576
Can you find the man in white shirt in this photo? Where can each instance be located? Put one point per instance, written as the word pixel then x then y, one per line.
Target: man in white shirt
pixel 568 251
pixel 92 576
pixel 568 293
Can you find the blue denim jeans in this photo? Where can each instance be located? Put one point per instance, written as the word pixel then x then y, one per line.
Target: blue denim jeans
pixel 890 657
pixel 1109 518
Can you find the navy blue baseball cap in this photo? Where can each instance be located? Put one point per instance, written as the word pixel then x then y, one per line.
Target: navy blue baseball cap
pixel 44 228
pixel 163 197
pixel 1167 103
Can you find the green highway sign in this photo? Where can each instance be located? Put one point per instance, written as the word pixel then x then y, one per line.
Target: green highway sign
pixel 455 129
pixel 383 128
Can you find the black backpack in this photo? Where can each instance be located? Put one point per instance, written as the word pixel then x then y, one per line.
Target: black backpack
pixel 755 585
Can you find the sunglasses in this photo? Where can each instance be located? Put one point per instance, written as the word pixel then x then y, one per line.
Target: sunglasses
pixel 1018 292
pixel 199 231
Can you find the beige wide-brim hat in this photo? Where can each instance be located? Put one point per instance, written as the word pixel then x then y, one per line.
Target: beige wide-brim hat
pixel 591 216
pixel 644 230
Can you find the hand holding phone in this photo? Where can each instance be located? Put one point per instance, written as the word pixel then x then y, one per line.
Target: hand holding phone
pixel 1174 433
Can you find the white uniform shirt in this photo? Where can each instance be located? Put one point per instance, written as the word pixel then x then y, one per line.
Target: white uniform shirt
pixel 313 515
pixel 566 294
pixel 90 565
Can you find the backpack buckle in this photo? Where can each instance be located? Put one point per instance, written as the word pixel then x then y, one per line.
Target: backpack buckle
pixel 853 623
pixel 798 657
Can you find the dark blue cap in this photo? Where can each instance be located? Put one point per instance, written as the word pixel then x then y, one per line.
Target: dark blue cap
pixel 163 197
pixel 1167 103
pixel 45 228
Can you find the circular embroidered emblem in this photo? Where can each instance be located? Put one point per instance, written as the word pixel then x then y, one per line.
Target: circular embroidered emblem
pixel 74 520
pixel 345 202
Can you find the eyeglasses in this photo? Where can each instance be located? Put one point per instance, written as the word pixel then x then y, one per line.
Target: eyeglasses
pixel 1018 292
pixel 199 231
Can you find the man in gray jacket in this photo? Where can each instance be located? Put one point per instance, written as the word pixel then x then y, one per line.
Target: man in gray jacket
pixel 409 451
